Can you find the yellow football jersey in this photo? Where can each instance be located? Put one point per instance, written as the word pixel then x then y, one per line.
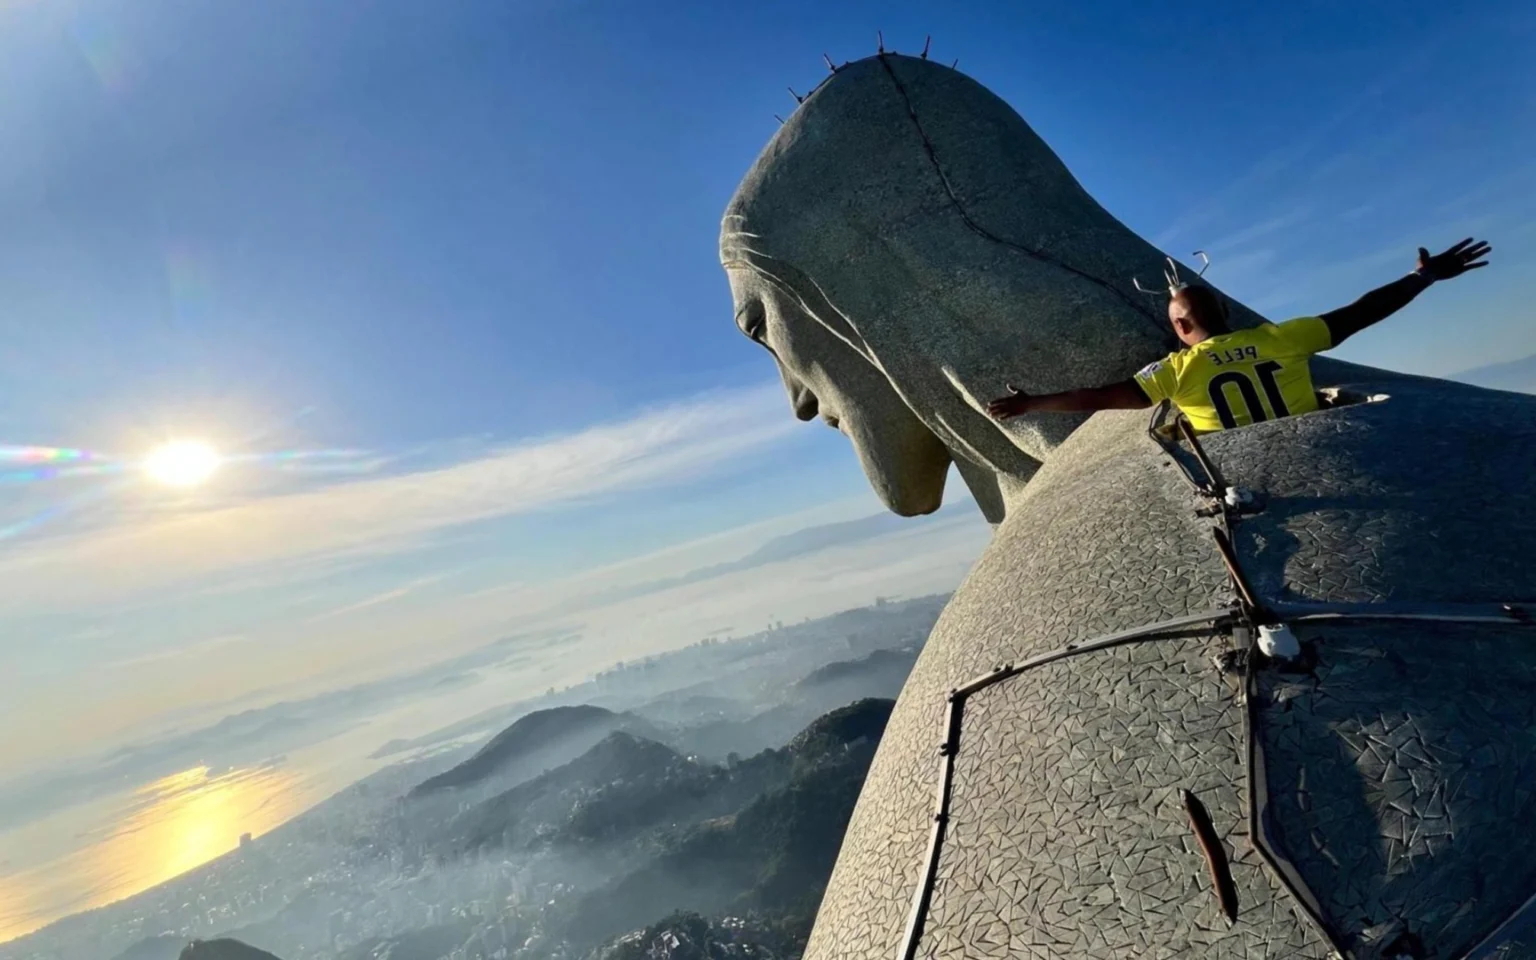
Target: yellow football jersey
pixel 1242 377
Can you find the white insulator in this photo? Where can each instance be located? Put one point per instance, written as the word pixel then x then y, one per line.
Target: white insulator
pixel 1278 642
pixel 1237 497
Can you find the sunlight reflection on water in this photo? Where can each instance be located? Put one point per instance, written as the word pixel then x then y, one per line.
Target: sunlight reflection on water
pixel 164 828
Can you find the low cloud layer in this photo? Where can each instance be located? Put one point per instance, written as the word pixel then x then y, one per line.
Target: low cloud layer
pixel 326 734
pixel 375 516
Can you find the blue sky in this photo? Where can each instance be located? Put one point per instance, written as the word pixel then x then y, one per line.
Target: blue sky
pixel 430 221
pixel 469 249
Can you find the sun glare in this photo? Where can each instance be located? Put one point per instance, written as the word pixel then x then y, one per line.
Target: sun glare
pixel 181 463
pixel 161 831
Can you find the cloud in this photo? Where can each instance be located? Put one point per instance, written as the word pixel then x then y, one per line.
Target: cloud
pixel 1255 231
pixel 601 588
pixel 237 739
pixel 1256 184
pixel 381 515
pixel 1243 270
pixel 1309 286
pixel 404 590
pixel 199 648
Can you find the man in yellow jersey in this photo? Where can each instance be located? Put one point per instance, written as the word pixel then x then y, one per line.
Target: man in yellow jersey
pixel 1226 378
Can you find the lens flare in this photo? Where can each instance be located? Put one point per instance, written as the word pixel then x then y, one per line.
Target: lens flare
pixel 13 454
pixel 86 479
pixel 181 463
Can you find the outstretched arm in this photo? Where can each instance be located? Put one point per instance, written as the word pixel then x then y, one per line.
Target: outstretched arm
pixel 1382 302
pixel 1125 395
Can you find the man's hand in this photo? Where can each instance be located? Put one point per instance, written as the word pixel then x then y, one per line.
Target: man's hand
pixel 1004 408
pixel 1384 301
pixel 1125 395
pixel 1455 261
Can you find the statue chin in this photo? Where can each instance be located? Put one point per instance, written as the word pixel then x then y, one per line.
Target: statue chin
pixel 907 472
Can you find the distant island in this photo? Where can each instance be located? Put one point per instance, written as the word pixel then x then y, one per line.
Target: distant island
pixel 1517 375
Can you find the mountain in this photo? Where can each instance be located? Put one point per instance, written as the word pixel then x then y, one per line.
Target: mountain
pixel 688 707
pixel 431 943
pixel 689 936
pixel 879 675
pixel 567 862
pixel 621 804
pixel 812 539
pixel 620 781
pixel 607 803
pixel 773 856
pixel 535 743
pixel 1517 375
pixel 882 668
pixel 169 947
pixel 223 950
pixel 765 730
pixel 857 724
pixel 800 543
pixel 163 947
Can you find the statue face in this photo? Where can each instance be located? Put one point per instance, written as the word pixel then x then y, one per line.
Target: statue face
pixel 824 376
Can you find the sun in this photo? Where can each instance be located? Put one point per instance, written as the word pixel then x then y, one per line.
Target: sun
pixel 181 463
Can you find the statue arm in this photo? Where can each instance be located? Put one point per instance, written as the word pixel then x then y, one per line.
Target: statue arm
pixel 1125 395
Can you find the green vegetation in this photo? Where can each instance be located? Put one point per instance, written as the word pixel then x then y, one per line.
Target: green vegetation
pixel 690 936
pixel 530 737
pixel 769 859
pixel 223 949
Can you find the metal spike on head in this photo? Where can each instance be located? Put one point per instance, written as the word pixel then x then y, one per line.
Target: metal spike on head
pixel 798 98
pixel 926 42
pixel 829 63
pixel 1172 278
pixel 1152 295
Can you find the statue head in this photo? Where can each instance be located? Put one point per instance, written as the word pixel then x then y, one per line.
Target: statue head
pixel 905 246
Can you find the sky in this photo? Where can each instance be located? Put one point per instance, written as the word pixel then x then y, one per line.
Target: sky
pixel 441 279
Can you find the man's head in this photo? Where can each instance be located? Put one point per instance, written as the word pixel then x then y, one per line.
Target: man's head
pixel 1197 313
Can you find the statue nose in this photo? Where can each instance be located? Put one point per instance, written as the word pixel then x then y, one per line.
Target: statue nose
pixel 805 404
